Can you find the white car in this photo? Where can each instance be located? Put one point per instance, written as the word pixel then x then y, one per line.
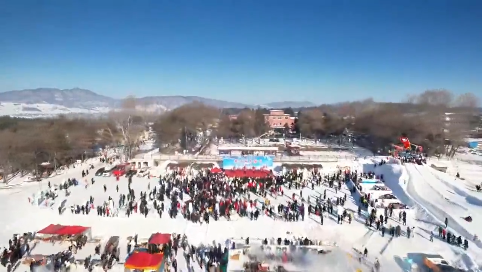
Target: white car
pixel 143 172
pixel 107 174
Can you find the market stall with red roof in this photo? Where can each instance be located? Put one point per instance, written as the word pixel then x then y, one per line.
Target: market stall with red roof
pixel 50 229
pixel 65 230
pixel 72 230
pixel 160 238
pixel 140 260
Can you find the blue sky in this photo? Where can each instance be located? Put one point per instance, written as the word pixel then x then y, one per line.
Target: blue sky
pixel 252 51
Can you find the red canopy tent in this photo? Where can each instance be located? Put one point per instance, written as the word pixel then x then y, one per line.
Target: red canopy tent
pixel 160 238
pixel 144 261
pixel 50 229
pixel 216 170
pixel 62 230
pixel 71 230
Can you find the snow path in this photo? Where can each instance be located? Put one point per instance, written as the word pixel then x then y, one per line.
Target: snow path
pixel 437 205
pixel 408 185
pixel 471 197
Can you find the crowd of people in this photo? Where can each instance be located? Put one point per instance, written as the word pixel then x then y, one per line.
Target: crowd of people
pixel 451 238
pixel 204 196
pixel 18 247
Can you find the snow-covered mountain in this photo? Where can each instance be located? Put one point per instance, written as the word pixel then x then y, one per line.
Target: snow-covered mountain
pixel 44 102
pixel 70 98
pixel 43 110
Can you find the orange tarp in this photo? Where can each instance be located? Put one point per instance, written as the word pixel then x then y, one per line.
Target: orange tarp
pixel 144 261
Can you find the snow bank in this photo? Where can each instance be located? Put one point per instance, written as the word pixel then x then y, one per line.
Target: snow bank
pixel 435 206
pixel 401 180
pixel 396 178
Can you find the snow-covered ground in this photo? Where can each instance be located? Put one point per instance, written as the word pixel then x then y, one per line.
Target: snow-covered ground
pixel 468 166
pixel 43 110
pixel 433 196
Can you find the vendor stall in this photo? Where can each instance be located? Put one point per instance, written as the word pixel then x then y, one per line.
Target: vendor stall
pixel 144 261
pixel 160 238
pixel 60 230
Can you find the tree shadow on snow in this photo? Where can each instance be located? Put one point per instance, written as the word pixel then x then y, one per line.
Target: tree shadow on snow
pixel 422 236
pixel 356 196
pixel 470 199
pixel 426 222
pixel 402 263
pixel 465 259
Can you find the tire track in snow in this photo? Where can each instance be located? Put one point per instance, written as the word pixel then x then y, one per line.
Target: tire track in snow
pixel 470 199
pixel 386 245
pixel 436 213
pixel 437 191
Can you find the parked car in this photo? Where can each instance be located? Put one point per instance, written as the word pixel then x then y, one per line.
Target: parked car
pixel 143 172
pixel 398 206
pixel 100 171
pixel 387 196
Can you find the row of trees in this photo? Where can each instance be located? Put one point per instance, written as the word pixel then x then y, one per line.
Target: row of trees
pixel 26 143
pixel 435 119
pixel 422 117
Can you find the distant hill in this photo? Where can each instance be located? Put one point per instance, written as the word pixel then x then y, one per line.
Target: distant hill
pixel 89 101
pixel 290 104
pixel 72 98
pixel 172 102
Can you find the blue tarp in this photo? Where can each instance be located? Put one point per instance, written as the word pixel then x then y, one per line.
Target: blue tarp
pixel 473 144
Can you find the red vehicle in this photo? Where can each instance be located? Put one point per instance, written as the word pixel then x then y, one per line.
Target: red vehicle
pixel 121 169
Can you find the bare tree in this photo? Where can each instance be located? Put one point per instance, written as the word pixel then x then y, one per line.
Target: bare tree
pixel 467 101
pixel 182 126
pixel 26 143
pixel 129 125
pixel 439 97
pixel 129 103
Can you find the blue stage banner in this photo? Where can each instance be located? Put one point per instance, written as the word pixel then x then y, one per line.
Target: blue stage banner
pixel 248 162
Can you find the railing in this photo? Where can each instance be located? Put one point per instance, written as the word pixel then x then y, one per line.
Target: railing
pixel 324 158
